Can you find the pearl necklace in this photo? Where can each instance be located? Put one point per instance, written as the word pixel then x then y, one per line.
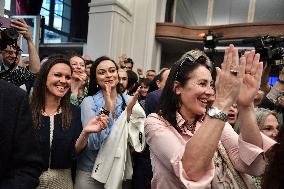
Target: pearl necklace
pixel 46 114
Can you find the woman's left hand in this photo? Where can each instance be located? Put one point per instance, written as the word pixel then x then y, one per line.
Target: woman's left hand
pixel 109 103
pixel 251 79
pixel 97 124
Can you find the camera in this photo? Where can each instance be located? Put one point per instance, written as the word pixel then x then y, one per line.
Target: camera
pixel 269 47
pixel 8 35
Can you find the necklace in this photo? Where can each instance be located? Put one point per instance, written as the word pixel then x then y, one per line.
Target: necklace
pixel 46 114
pixel 190 127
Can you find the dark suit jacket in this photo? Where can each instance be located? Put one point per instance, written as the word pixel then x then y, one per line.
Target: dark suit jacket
pixel 142 169
pixel 152 101
pixel 20 161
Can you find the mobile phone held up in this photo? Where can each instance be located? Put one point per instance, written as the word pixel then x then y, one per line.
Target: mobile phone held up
pixel 104 111
pixel 9 36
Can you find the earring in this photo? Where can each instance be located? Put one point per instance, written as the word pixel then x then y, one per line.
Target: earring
pixel 97 86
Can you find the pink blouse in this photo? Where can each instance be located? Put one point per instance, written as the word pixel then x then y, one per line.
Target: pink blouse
pixel 167 147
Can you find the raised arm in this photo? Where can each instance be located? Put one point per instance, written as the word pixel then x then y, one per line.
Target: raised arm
pixel 250 85
pixel 23 29
pixel 201 147
pixel 95 125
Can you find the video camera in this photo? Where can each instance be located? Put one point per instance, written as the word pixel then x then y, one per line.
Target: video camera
pixel 211 39
pixel 269 47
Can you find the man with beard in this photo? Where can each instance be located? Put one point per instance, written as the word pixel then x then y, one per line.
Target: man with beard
pixel 123 80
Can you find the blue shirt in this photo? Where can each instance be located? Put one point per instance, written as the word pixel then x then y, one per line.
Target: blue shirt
pixel 90 108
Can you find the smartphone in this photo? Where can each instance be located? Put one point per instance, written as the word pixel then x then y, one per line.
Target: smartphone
pixel 5 22
pixel 104 111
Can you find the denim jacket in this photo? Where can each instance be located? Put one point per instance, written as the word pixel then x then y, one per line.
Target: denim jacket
pixel 90 108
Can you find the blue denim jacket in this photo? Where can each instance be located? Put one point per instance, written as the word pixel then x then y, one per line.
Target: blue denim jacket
pixel 91 107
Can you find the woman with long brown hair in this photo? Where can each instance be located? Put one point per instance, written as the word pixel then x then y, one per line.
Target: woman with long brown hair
pixel 57 123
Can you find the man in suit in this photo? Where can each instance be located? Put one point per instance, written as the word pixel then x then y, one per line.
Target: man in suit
pixel 152 98
pixel 20 161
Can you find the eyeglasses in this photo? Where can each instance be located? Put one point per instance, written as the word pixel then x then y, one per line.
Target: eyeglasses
pixel 10 52
pixel 189 60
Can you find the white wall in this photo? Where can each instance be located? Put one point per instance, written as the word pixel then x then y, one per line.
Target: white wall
pixel 126 26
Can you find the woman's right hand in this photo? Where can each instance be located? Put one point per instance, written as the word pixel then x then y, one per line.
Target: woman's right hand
pixel 97 124
pixel 79 82
pixel 227 83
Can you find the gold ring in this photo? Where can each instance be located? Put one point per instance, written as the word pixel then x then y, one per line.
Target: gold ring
pixel 234 72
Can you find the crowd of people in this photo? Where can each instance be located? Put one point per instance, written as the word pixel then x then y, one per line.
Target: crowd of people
pixel 72 122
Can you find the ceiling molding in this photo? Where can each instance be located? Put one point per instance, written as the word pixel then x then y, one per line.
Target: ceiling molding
pixel 230 31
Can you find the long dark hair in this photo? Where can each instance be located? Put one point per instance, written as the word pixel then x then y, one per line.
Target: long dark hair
pixel 39 91
pixel 274 173
pixel 180 71
pixel 94 87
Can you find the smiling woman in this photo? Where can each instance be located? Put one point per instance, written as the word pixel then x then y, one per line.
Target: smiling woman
pixel 191 143
pixel 79 80
pixel 104 92
pixel 57 123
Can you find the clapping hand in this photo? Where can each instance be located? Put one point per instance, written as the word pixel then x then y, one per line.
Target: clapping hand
pixel 109 103
pixel 80 77
pixel 251 79
pixel 229 79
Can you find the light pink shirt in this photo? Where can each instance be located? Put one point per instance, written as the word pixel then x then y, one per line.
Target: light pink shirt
pixel 167 147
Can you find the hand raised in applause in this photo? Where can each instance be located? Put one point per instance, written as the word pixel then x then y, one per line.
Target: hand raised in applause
pixel 252 78
pixel 229 79
pixel 109 103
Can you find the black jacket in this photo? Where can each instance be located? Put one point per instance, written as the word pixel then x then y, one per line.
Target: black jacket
pixel 63 145
pixel 20 161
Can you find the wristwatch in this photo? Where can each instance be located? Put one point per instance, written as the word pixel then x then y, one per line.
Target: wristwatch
pixel 214 112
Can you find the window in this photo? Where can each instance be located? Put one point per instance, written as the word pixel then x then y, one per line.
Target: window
pixel 7 8
pixel 57 14
pixel 7 5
